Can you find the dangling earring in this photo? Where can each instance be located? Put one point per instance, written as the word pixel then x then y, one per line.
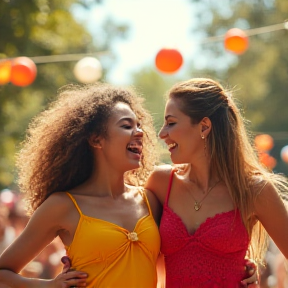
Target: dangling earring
pixel 205 144
pixel 97 145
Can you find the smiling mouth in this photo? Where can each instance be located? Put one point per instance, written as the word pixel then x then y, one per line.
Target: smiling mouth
pixel 172 145
pixel 135 147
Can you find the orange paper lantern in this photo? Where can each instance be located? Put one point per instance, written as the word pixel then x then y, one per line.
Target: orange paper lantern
pixel 267 160
pixel 264 142
pixel 284 154
pixel 23 71
pixel 5 72
pixel 236 41
pixel 168 60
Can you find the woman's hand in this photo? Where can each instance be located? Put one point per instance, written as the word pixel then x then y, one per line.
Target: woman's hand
pixel 67 264
pixel 251 274
pixel 69 278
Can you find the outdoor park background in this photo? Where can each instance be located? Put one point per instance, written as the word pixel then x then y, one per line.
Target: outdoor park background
pixel 125 36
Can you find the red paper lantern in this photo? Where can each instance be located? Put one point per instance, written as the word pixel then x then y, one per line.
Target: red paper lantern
pixel 23 71
pixel 264 142
pixel 5 71
pixel 284 154
pixel 168 60
pixel 236 41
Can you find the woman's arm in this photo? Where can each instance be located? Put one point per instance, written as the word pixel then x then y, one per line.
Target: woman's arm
pixel 10 279
pixel 158 182
pixel 270 210
pixel 155 206
pixel 45 224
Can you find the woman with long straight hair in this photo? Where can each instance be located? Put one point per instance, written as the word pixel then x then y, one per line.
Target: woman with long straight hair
pixel 219 202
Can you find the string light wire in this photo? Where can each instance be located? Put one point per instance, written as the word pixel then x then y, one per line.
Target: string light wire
pixel 76 57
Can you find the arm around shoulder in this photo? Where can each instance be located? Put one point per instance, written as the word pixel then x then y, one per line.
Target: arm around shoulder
pixel 158 181
pixel 155 206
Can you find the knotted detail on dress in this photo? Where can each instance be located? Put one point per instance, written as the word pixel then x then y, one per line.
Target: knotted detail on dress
pixel 132 236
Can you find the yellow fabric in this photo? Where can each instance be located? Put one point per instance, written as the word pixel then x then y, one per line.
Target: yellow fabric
pixel 104 251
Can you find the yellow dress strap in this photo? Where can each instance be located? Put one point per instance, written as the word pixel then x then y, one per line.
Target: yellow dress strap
pixel 146 200
pixel 75 203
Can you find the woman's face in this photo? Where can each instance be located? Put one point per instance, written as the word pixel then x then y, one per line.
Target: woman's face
pixel 122 147
pixel 182 137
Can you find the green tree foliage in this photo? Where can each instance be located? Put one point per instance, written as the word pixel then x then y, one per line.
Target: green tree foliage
pixel 259 77
pixel 260 74
pixel 39 28
pixel 154 85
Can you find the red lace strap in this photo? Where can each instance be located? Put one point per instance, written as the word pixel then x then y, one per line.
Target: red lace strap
pixel 169 186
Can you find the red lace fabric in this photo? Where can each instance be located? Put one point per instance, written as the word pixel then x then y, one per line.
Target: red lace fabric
pixel 211 257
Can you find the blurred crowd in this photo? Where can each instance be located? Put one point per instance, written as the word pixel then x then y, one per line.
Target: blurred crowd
pixel 13 219
pixel 275 272
pixel 47 264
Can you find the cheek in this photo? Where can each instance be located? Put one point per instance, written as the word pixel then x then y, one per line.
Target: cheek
pixel 189 143
pixel 181 134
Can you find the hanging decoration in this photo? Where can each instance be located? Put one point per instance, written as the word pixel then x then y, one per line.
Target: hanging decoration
pixel 5 72
pixel 264 142
pixel 267 160
pixel 236 41
pixel 284 154
pixel 23 71
pixel 168 60
pixel 88 70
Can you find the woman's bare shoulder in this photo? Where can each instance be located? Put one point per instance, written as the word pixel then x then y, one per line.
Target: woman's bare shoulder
pixel 59 199
pixel 163 170
pixel 158 181
pixel 58 206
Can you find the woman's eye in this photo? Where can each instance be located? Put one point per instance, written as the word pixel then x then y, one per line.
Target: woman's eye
pixel 170 124
pixel 127 126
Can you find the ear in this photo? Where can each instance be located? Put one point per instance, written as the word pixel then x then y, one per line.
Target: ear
pixel 95 141
pixel 205 126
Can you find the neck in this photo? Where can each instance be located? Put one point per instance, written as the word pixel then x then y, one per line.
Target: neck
pixel 104 183
pixel 202 176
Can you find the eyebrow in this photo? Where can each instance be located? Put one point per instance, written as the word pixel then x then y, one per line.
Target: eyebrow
pixel 130 120
pixel 169 116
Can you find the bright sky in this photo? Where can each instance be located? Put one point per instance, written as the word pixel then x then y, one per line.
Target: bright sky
pixel 154 24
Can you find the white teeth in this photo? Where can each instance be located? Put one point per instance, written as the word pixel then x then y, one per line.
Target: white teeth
pixel 135 147
pixel 172 145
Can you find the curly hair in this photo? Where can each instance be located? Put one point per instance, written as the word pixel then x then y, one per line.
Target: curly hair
pixel 55 154
pixel 232 154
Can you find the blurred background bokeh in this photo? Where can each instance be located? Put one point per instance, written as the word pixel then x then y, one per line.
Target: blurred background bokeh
pixel 150 44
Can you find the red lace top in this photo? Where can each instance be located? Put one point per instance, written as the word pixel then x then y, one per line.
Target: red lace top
pixel 211 257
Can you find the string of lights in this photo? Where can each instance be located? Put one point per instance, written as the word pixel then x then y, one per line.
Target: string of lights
pixel 21 71
pixel 78 56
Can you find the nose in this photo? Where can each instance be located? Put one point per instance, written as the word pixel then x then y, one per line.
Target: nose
pixel 138 132
pixel 162 133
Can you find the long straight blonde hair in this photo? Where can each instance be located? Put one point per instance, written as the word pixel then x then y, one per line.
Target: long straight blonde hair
pixel 233 156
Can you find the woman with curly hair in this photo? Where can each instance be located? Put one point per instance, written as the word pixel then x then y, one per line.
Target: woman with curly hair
pixel 81 167
pixel 218 200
